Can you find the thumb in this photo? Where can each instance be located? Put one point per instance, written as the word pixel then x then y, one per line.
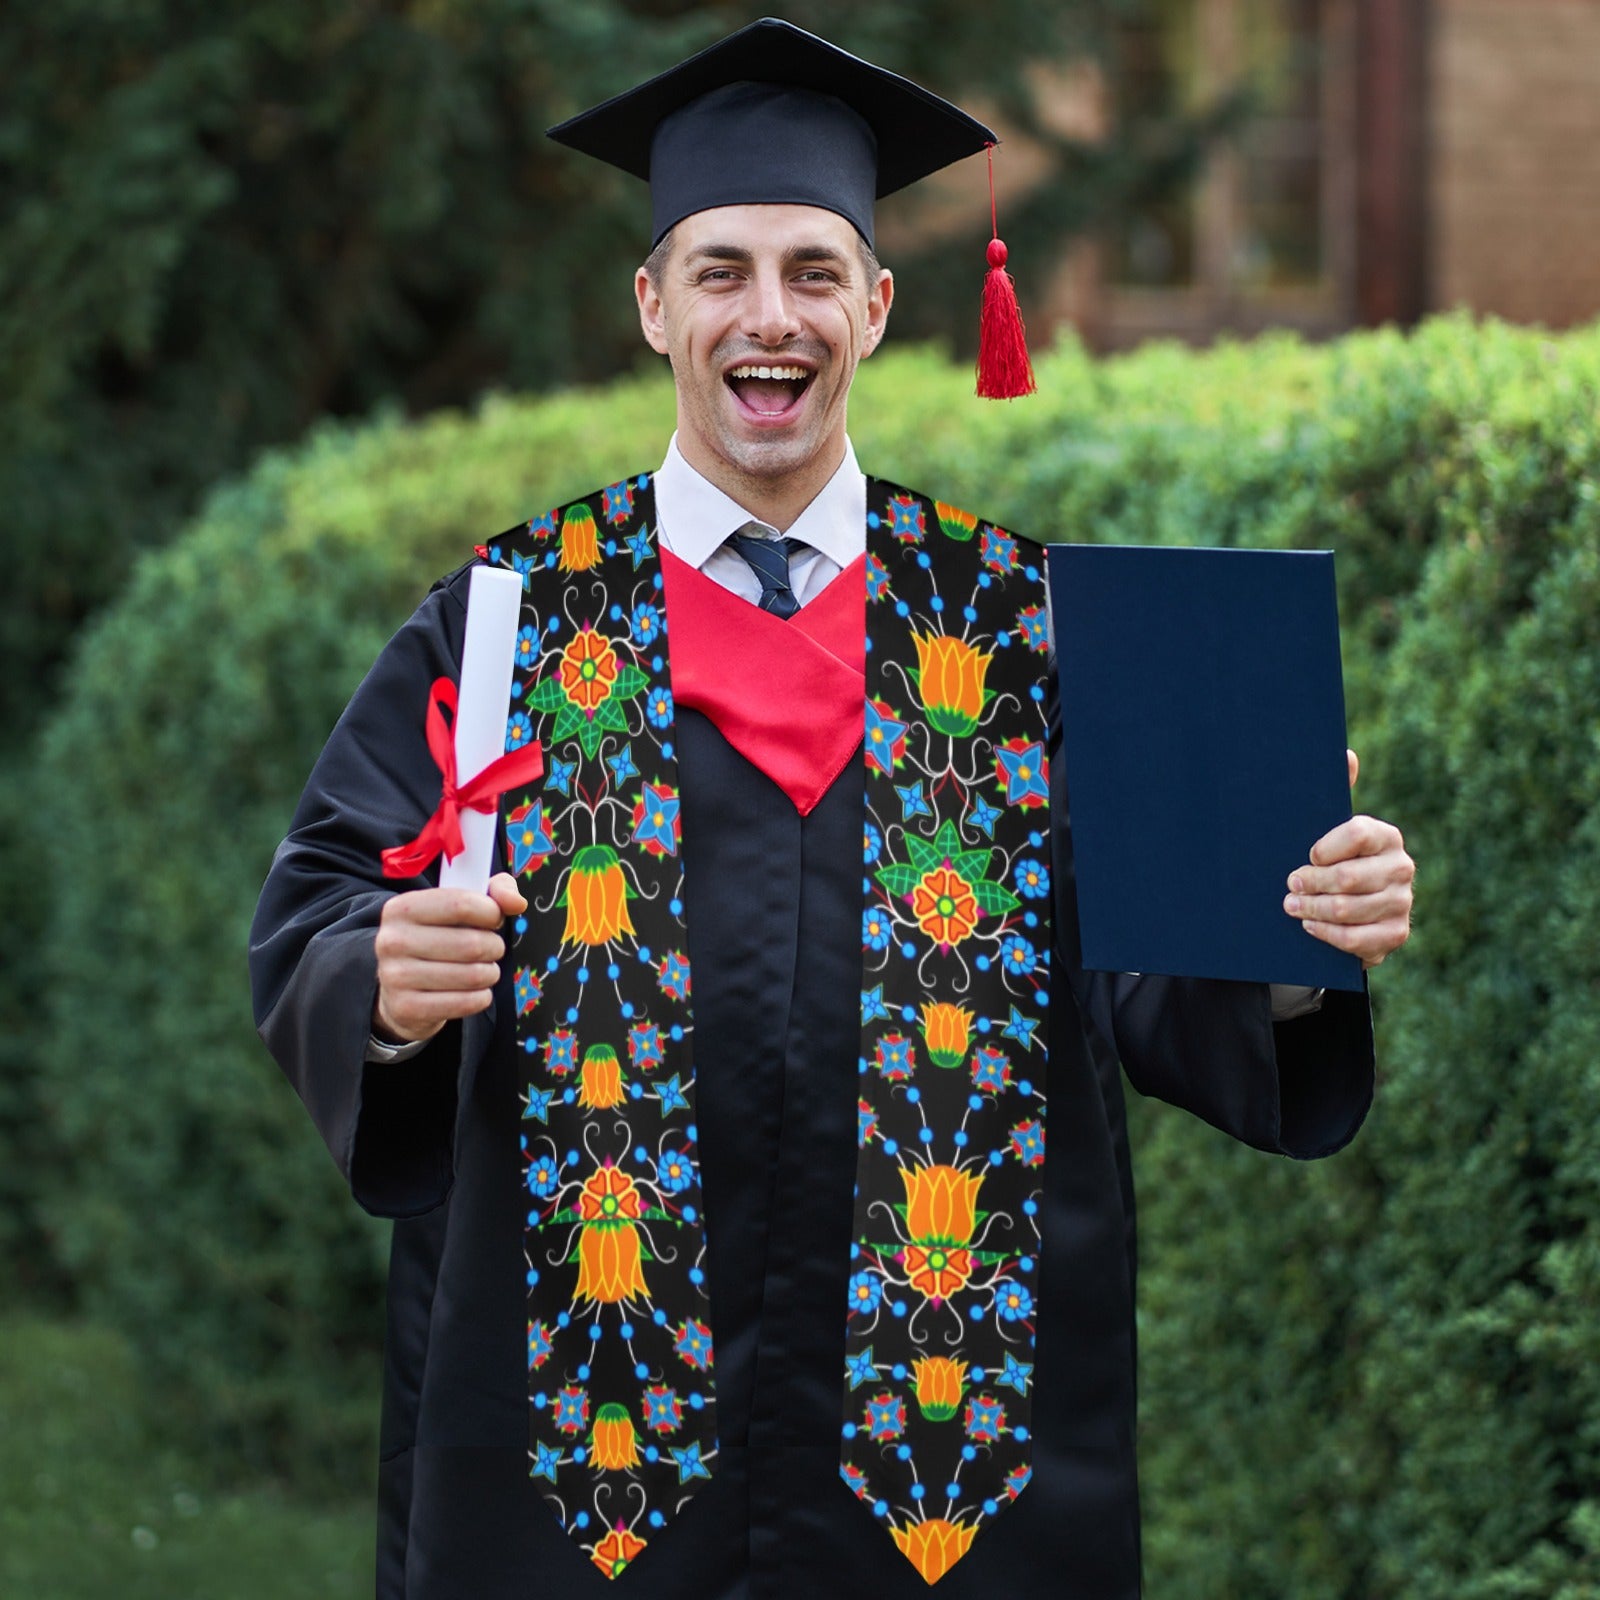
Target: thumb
pixel 504 892
pixel 1354 762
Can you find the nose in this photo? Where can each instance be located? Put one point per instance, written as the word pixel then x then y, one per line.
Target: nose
pixel 771 317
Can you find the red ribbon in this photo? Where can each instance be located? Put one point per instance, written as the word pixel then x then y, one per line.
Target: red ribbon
pixel 442 831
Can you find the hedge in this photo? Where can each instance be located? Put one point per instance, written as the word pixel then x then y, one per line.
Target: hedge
pixel 1371 1377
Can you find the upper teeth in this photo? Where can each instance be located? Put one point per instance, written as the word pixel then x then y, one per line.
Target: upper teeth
pixel 768 372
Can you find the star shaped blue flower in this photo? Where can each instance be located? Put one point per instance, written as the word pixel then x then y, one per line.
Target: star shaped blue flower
pixel 560 775
pixel 639 547
pixel 538 1104
pixel 1020 1028
pixel 984 815
pixel 872 1006
pixel 882 736
pixel 689 1463
pixel 656 824
pixel 1016 1373
pixel 1025 773
pixel 861 1368
pixel 912 802
pixel 622 767
pixel 546 1458
pixel 671 1096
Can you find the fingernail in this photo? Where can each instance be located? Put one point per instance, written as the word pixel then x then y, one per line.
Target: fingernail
pixel 1291 904
pixel 1297 883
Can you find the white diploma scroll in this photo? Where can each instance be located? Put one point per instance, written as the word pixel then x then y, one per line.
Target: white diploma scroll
pixel 494 605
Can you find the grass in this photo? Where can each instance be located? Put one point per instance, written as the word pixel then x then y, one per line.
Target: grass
pixel 93 1504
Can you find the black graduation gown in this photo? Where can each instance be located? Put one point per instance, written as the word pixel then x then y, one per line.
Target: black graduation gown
pixel 774 915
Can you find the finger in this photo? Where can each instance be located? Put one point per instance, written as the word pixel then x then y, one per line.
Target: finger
pixel 406 974
pixel 426 941
pixel 448 908
pixel 1353 761
pixel 1360 836
pixel 1371 942
pixel 1388 903
pixel 414 1016
pixel 503 890
pixel 1357 875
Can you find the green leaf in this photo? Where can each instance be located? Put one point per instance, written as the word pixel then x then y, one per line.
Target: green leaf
pixel 994 901
pixel 899 879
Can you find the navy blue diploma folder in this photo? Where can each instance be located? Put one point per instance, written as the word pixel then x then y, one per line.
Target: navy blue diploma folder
pixel 1202 712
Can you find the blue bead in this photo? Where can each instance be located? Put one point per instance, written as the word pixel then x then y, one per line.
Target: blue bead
pixel 563 1320
pixel 552 964
pixel 908 949
pixel 873 519
pixel 913 1095
pixel 936 603
pixel 924 560
pixel 613 971
pixel 641 1371
pixel 917 1491
pixel 572 1158
pixel 656 663
pixel 1036 692
pixel 582 1518
pixel 969 1452
pixel 901 609
pixel 880 1508
pixel 984 580
pixel 583 974
pixel 1031 918
pixel 891 1147
pixel 533 1276
pixel 903 1452
pixel 675 907
pixel 636 1090
pixel 899 1308
pixel 996 1157
pixel 974 1102
pixel 1025 1263
pixel 1020 1433
pixel 898 1370
pixel 659 1317
pixel 1029 1207
pixel 583 1374
pixel 983 1024
pixel 640 1153
pixel 666 751
pixel 572 1013
pixel 691 1133
pixel 1031 574
pixel 616 611
pixel 596 1331
pixel 696 1402
pixel 960 1139
pixel 522 924
pixel 651 1453
pixel 626 1330
pixel 676 1031
pixel 982 963
pixel 969 614
pixel 908 1013
pixel 1025 1088
pixel 644 953
pixel 953 1490
pixel 541 1399
pixel 849 1430
pixel 533 1219
pixel 657 1520
pixel 989 1508
pixel 696 1275
pixel 925 1135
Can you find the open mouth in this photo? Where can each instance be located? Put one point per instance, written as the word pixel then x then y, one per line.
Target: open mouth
pixel 769 391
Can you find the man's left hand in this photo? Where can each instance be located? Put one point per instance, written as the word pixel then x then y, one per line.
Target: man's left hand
pixel 1355 893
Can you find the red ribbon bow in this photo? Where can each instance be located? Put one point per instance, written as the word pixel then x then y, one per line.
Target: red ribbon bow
pixel 442 831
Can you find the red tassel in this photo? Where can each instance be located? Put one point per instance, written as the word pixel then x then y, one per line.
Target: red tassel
pixel 1004 370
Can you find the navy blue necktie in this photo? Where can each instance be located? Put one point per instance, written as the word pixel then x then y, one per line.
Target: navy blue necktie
pixel 769 560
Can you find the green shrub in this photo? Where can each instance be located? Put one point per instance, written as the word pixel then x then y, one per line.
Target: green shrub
pixel 1370 1378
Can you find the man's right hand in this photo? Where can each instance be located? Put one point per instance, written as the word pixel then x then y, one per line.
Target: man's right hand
pixel 438 957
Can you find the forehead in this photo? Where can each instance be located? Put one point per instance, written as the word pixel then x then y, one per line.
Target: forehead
pixel 756 229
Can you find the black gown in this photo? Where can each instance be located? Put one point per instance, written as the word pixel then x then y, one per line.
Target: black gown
pixel 774 912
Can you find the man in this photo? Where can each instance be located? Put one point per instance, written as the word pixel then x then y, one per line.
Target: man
pixel 823 1154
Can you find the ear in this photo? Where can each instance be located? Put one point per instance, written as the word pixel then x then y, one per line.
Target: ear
pixel 652 315
pixel 879 299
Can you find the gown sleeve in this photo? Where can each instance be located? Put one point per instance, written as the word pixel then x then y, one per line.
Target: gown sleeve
pixel 1299 1088
pixel 313 965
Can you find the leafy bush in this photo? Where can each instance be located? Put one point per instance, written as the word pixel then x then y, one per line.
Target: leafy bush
pixel 1374 1377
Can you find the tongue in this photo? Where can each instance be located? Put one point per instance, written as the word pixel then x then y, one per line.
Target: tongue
pixel 770 395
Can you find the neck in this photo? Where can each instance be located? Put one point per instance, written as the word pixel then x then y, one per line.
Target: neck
pixel 776 500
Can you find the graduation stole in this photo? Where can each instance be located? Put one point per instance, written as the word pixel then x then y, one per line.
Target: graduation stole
pixel 942 1278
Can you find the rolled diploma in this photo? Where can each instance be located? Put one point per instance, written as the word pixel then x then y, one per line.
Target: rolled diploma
pixel 494 605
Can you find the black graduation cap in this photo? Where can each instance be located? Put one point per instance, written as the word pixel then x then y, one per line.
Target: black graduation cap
pixel 774 115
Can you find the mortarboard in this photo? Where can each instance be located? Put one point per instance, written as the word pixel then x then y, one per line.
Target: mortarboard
pixel 774 115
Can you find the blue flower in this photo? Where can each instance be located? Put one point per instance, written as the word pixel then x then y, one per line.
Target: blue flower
pixel 1017 956
pixel 644 1045
pixel 1013 1302
pixel 998 550
pixel 662 1409
pixel 872 1006
pixel 693 1343
pixel 544 1176
pixel 658 820
pixel 523 567
pixel 646 624
pixel 658 708
pixel 991 1069
pixel 538 1104
pixel 875 929
pixel 985 1419
pixel 689 1463
pixel 639 547
pixel 672 976
pixel 560 775
pixel 1020 1028
pixel 674 1171
pixel 547 1458
pixel 1016 1373
pixel 1027 1143
pixel 527 647
pixel 866 1124
pixel 571 1409
pixel 866 1291
pixel 885 738
pixel 519 728
pixel 861 1368
pixel 538 1345
pixel 877 578
pixel 1035 628
pixel 1032 879
pixel 1025 774
pixel 622 767
pixel 984 815
pixel 886 1416
pixel 528 842
pixel 671 1096
pixel 871 844
pixel 912 801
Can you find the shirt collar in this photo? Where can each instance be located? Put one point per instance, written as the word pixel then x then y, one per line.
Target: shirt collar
pixel 694 517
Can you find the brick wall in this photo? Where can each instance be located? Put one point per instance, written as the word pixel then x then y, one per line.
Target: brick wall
pixel 1514 162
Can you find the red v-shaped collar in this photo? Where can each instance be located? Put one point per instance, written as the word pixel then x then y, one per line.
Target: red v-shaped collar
pixel 787 695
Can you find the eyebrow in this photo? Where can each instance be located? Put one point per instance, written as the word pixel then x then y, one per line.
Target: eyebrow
pixel 795 255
